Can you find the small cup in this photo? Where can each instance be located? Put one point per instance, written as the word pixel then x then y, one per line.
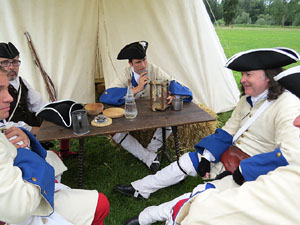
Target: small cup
pixel 143 71
pixel 177 104
pixel 80 122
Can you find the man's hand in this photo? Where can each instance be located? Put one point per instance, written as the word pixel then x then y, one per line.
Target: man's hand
pixel 143 80
pixel 204 168
pixel 170 98
pixel 16 135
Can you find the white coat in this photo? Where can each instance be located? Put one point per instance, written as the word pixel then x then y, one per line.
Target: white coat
pixel 20 199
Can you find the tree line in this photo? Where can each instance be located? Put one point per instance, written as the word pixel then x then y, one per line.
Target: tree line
pixel 260 12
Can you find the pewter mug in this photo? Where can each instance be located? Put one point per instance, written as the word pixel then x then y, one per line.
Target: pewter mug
pixel 80 122
pixel 177 103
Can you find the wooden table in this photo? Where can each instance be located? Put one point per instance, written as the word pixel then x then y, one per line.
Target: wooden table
pixel 146 119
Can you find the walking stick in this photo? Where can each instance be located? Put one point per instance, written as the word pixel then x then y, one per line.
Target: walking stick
pixel 48 82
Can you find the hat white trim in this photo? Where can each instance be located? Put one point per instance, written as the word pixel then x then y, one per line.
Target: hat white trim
pixel 277 49
pixel 62 119
pixel 287 72
pixel 292 50
pixel 45 107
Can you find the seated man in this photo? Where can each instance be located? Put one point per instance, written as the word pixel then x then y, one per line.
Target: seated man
pixel 26 101
pixel 29 193
pixel 260 131
pixel 271 199
pixel 141 73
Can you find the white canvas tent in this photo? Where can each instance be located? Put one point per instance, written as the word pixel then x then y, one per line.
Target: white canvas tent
pixel 78 41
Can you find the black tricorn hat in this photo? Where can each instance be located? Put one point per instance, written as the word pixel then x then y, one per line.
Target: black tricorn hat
pixel 135 50
pixel 8 50
pixel 59 112
pixel 290 80
pixel 262 58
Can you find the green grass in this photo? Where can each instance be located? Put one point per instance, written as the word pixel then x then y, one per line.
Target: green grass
pixel 238 39
pixel 106 165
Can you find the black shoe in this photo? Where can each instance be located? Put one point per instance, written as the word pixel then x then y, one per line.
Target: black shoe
pixel 155 165
pixel 128 190
pixel 132 221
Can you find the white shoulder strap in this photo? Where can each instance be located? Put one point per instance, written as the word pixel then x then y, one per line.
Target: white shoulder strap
pixel 261 109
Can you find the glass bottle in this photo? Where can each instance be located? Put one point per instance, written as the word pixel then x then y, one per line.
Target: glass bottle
pixel 130 106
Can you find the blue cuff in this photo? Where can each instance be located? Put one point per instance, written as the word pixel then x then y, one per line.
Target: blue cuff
pixel 262 164
pixel 37 171
pixel 176 88
pixel 194 158
pixel 113 96
pixel 216 143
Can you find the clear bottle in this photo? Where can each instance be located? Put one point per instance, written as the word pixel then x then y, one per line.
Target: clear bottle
pixel 130 106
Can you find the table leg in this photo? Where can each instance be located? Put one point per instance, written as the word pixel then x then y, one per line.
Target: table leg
pixel 177 147
pixel 165 151
pixel 80 163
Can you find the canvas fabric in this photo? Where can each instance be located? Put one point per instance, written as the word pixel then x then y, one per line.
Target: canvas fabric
pixel 78 41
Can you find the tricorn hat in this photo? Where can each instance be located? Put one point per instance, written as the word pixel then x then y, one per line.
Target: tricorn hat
pixel 262 58
pixel 8 50
pixel 135 50
pixel 59 112
pixel 290 80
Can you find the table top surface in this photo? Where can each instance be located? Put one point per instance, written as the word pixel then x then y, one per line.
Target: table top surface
pixel 146 119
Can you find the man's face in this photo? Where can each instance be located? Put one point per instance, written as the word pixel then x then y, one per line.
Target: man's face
pixel 254 82
pixel 139 64
pixel 5 97
pixel 12 70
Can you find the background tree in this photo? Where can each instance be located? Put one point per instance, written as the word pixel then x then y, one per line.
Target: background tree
pixel 293 16
pixel 229 10
pixel 214 9
pixel 264 20
pixel 257 7
pixel 244 18
pixel 278 9
pixel 253 7
pixel 260 12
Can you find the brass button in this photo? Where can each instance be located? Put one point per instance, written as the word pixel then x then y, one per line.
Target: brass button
pixel 242 135
pixel 278 154
pixel 250 116
pixel 106 92
pixel 45 192
pixel 239 142
pixel 44 220
pixel 34 179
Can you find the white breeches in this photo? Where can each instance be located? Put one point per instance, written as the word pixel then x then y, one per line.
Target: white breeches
pixel 167 176
pixel 146 155
pixel 164 211
pixel 157 139
pixel 161 212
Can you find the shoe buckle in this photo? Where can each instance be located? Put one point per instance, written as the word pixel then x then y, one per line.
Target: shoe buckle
pixel 136 194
